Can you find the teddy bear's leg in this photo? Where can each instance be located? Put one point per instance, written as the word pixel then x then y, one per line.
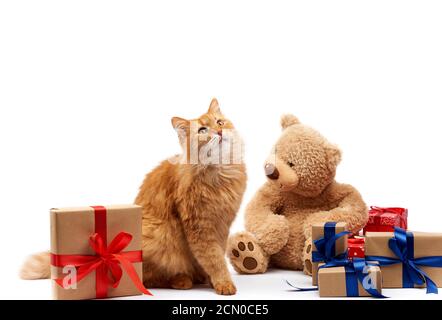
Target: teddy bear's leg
pixel 246 255
pixel 307 257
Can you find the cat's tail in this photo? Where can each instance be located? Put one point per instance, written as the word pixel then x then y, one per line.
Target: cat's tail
pixel 37 266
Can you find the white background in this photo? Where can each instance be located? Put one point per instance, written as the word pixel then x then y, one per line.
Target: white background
pixel 87 90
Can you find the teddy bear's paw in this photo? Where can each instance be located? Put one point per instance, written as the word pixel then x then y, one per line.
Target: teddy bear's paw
pixel 307 257
pixel 246 255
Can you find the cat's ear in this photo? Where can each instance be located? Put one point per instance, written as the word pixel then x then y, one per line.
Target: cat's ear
pixel 214 107
pixel 180 125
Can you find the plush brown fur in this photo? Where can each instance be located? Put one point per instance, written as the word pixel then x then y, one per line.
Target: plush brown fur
pixel 187 213
pixel 301 190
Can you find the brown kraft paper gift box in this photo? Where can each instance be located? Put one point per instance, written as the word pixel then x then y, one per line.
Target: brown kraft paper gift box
pixel 332 282
pixel 341 244
pixel 71 229
pixel 425 245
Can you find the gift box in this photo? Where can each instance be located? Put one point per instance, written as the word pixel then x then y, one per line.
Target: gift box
pixel 386 219
pixel 356 248
pixel 407 259
pixel 323 233
pixel 96 252
pixel 354 279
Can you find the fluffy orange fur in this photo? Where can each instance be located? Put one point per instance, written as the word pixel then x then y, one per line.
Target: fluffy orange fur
pixel 188 210
pixel 36 267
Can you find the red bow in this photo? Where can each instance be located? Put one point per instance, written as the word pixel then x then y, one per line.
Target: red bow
pixel 379 210
pixel 108 263
pixel 401 212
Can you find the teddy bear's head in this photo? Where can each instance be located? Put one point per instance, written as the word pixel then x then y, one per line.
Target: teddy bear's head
pixel 302 161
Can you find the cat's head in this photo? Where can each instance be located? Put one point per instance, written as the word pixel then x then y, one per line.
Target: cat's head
pixel 209 139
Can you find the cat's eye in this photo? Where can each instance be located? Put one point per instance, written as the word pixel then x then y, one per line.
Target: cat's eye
pixel 203 130
pixel 220 122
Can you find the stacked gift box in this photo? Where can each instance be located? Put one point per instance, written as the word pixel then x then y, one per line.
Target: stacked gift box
pixel 333 272
pixel 388 256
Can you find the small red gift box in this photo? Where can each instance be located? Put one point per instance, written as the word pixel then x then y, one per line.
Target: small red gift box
pixel 356 248
pixel 385 219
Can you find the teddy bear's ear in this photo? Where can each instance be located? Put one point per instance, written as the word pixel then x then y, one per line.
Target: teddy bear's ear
pixel 288 120
pixel 334 155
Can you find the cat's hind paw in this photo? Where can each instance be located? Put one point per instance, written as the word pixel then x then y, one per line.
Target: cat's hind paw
pixel 246 255
pixel 181 282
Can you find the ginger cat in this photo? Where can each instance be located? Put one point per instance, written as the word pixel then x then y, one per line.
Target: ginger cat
pixel 189 203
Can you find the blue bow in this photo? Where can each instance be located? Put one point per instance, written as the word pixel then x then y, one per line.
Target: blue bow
pixel 326 246
pixel 402 245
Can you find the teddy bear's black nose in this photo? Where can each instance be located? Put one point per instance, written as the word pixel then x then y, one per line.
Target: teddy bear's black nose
pixel 271 171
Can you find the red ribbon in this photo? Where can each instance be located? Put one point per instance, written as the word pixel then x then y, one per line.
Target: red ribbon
pixel 108 262
pixel 356 241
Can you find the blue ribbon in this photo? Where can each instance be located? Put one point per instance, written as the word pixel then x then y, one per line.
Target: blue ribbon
pixel 298 289
pixel 326 246
pixel 402 245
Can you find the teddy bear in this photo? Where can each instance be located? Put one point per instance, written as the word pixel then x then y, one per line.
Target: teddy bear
pixel 300 191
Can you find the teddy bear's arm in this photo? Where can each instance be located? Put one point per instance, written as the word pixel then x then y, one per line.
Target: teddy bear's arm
pixel 350 209
pixel 270 229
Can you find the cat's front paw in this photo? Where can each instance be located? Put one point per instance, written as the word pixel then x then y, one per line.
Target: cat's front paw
pixel 225 288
